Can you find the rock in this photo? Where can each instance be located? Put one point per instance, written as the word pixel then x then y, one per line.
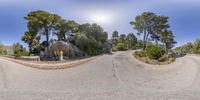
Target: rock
pixel 106 47
pixel 52 52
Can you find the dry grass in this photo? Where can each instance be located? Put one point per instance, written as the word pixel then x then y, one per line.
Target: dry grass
pixel 154 62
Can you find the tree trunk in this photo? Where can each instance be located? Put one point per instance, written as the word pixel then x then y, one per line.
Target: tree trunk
pixel 144 40
pixel 47 34
pixel 166 48
pixel 65 39
pixel 147 37
pixel 30 50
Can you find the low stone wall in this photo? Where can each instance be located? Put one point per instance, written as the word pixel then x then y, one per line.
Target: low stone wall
pixel 26 58
pixel 51 66
pixel 32 58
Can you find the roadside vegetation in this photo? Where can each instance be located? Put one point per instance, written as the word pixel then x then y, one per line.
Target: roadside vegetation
pixel 2 49
pixel 44 28
pixel 189 48
pixel 157 38
pixel 89 38
pixel 121 42
pixel 19 50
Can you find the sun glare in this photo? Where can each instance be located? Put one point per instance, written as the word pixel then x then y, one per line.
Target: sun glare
pixel 101 18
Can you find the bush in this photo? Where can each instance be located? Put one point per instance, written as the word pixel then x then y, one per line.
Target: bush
pixel 163 58
pixel 140 54
pixel 19 50
pixel 93 48
pixel 3 52
pixel 18 54
pixel 196 47
pixel 89 46
pixel 121 47
pixel 172 59
pixel 154 52
pixel 114 49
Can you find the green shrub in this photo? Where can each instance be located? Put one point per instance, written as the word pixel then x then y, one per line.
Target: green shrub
pixel 121 47
pixel 18 54
pixel 163 58
pixel 19 50
pixel 172 59
pixel 93 48
pixel 3 52
pixel 154 52
pixel 140 54
pixel 114 49
pixel 89 46
pixel 196 47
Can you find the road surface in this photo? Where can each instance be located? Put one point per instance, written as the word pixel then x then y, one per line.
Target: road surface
pixel 109 77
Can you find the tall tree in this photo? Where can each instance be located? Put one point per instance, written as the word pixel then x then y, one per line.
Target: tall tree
pixel 90 38
pixel 150 25
pixel 114 38
pixel 65 29
pixel 122 38
pixel 167 38
pixel 43 21
pixel 32 39
pixel 94 31
pixel 161 24
pixel 139 44
pixel 131 40
pixel 143 24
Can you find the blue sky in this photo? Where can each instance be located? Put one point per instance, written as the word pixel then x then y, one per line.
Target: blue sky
pixel 184 15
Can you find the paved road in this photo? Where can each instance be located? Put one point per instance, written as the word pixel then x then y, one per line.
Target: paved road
pixel 109 77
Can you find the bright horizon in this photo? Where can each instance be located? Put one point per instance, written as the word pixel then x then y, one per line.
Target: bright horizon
pixel 111 15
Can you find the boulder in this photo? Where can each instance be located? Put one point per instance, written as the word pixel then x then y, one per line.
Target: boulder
pixel 106 47
pixel 70 51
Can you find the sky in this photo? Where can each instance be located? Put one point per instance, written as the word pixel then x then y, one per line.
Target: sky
pixel 184 15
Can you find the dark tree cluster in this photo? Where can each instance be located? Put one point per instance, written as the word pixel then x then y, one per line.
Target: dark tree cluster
pixel 123 41
pixel 89 38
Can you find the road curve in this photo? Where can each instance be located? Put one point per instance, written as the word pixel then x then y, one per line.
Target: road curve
pixel 109 77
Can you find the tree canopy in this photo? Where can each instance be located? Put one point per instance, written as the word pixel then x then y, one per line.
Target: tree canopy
pixel 167 38
pixel 42 22
pixel 65 29
pixel 151 26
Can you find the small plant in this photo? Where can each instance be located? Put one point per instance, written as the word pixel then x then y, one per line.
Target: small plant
pixel 154 52
pixel 164 58
pixel 140 54
pixel 172 59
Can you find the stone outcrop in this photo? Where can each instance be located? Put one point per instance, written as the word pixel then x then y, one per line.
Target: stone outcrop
pixel 52 52
pixel 106 47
